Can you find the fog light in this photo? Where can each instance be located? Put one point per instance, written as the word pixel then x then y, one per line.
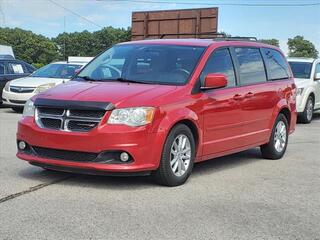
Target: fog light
pixel 22 145
pixel 124 156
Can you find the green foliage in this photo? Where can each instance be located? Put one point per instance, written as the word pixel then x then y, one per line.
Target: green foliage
pixel 28 46
pixel 300 47
pixel 39 50
pixel 273 41
pixel 90 44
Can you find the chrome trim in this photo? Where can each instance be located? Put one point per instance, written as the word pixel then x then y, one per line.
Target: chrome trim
pixel 65 118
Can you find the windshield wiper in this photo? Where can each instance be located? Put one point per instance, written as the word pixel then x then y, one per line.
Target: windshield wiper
pixel 121 79
pixel 86 78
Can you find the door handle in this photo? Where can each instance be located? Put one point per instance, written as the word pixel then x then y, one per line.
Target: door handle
pixel 249 95
pixel 237 97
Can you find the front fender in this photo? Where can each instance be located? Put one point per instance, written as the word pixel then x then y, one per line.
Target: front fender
pixel 168 117
pixel 302 99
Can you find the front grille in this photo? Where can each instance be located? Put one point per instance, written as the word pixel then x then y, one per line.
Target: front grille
pixel 64 155
pixel 68 119
pixel 51 123
pixel 21 89
pixel 17 101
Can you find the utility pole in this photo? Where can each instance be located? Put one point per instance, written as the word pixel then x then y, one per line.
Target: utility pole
pixel 64 39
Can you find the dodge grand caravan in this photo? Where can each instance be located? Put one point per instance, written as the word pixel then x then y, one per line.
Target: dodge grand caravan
pixel 159 106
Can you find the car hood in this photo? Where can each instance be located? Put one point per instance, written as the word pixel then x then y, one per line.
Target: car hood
pixel 302 82
pixel 119 93
pixel 35 81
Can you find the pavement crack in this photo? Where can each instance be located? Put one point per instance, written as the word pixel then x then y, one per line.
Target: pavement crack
pixel 33 189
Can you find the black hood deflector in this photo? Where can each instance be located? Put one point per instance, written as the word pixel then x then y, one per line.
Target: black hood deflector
pixel 73 105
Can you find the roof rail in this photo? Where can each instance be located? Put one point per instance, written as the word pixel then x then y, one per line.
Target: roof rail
pixel 207 35
pixel 237 38
pixel 198 35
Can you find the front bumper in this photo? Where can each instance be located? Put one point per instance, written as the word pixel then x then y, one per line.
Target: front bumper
pixel 301 103
pixel 15 99
pixel 144 147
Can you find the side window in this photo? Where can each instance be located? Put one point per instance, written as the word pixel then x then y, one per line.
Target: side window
pixel 15 68
pixel 220 62
pixel 2 69
pixel 277 67
pixel 317 68
pixel 251 67
pixel 29 68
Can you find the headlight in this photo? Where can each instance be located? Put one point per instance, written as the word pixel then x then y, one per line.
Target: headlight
pixel 299 91
pixel 44 87
pixel 7 86
pixel 28 110
pixel 132 116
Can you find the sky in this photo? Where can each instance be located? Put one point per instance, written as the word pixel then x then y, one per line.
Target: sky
pixel 281 22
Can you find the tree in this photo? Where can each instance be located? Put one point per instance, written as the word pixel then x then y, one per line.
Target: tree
pixel 90 44
pixel 272 41
pixel 300 47
pixel 28 46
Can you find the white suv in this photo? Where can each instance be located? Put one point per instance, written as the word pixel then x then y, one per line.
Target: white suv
pixel 306 72
pixel 17 92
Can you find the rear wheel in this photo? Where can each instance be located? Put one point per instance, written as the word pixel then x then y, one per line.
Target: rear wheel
pixel 177 157
pixel 307 114
pixel 278 142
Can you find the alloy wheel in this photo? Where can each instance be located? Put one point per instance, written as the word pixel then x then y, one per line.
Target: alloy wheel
pixel 180 155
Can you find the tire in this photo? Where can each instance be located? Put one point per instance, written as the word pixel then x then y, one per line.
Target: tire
pixel 17 109
pixel 276 147
pixel 177 173
pixel 306 116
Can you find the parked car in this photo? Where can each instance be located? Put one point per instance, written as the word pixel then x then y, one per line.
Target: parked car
pixel 11 68
pixel 159 106
pixel 306 72
pixel 17 92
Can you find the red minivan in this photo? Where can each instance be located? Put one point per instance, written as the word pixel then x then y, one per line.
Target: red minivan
pixel 159 106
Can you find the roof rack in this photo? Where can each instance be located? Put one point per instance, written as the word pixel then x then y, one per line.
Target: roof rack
pixel 209 35
pixel 214 35
pixel 253 39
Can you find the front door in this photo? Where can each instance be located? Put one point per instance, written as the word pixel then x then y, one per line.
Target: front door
pixel 222 113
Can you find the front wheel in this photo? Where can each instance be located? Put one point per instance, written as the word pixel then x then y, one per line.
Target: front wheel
pixel 307 114
pixel 177 157
pixel 278 142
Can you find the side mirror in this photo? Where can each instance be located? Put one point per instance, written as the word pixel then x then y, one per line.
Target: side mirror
pixel 317 76
pixel 77 71
pixel 214 81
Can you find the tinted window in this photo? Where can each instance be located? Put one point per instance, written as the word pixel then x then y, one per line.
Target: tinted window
pixel 251 66
pixel 318 68
pixel 2 69
pixel 277 67
pixel 159 64
pixel 15 68
pixel 56 70
pixel 220 62
pixel 301 69
pixel 29 68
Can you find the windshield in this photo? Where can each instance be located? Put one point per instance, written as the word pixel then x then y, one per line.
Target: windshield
pixel 56 70
pixel 158 64
pixel 301 69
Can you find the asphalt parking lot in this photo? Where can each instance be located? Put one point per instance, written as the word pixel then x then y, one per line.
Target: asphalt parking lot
pixel 236 197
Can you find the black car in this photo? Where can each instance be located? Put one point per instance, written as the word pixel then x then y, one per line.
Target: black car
pixel 11 68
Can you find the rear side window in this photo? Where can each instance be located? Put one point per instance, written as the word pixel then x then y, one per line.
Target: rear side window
pixel 251 67
pixel 277 67
pixel 220 62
